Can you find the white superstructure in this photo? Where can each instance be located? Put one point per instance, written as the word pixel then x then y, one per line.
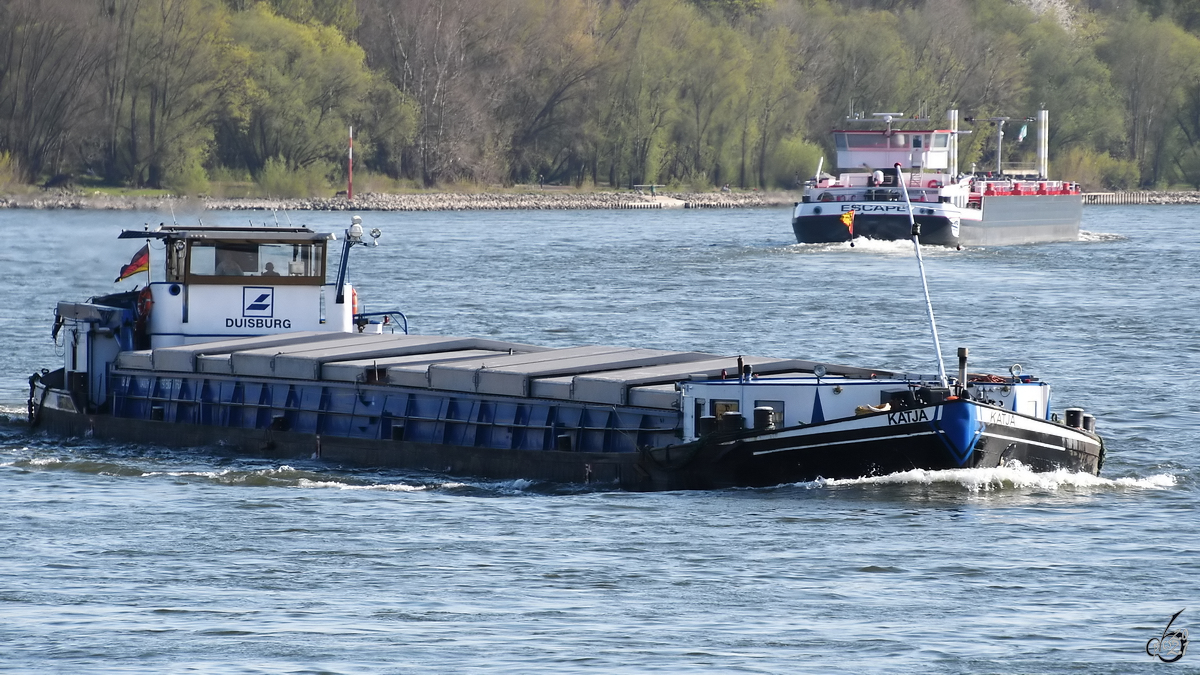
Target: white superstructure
pixel 238 282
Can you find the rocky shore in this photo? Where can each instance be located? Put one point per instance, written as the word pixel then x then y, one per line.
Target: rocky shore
pixel 549 198
pixel 440 201
pixel 1141 197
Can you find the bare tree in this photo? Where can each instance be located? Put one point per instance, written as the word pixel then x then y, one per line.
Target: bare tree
pixel 423 47
pixel 47 54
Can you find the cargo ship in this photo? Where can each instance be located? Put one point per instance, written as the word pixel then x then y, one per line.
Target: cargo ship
pixel 246 347
pixel 1010 205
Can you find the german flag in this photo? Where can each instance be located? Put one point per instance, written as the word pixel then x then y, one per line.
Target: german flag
pixel 139 263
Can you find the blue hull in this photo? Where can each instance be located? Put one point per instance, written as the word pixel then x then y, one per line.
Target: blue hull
pixel 527 439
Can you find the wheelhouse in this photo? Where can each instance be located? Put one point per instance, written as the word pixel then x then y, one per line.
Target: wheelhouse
pixel 857 148
pixel 291 256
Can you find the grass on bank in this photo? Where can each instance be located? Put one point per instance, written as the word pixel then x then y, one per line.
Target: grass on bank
pixel 10 176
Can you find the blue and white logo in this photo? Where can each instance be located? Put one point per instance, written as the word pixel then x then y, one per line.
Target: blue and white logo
pixel 258 301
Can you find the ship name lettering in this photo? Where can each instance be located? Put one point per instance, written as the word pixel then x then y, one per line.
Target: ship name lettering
pixel 258 323
pixel 908 417
pixel 1001 417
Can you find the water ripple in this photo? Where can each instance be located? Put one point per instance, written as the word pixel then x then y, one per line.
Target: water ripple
pixel 139 559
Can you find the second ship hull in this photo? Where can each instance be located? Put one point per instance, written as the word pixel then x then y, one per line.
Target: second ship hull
pixel 1002 221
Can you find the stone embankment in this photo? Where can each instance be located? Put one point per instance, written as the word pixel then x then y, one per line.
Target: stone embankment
pixel 455 201
pixel 439 201
pixel 1143 197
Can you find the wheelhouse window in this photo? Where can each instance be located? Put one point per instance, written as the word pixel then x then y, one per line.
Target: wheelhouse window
pixel 873 141
pixel 281 262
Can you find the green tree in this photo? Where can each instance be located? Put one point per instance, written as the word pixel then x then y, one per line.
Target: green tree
pixel 163 83
pixel 966 55
pixel 387 126
pixel 712 78
pixel 1151 61
pixel 638 99
pixel 304 85
pixel 779 101
pixel 864 76
pixel 1067 79
pixel 183 54
pixel 543 73
pixel 341 14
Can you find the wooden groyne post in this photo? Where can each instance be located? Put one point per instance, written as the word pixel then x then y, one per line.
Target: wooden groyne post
pixel 1173 197
pixel 1117 198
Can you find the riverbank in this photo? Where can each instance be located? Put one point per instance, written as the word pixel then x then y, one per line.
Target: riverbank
pixel 545 199
pixel 434 201
pixel 1140 197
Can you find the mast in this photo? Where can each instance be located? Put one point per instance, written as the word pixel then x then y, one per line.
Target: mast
pixel 999 144
pixel 952 116
pixel 1043 147
pixel 916 235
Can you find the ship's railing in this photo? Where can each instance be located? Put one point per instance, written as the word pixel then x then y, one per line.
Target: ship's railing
pixel 874 195
pixel 391 320
pixel 1000 187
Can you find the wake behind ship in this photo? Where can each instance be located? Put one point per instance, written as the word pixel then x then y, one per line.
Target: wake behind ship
pixel 243 343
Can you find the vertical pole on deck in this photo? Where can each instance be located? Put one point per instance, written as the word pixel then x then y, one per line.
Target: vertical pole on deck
pixel 350 169
pixel 999 147
pixel 952 116
pixel 1043 148
pixel 916 236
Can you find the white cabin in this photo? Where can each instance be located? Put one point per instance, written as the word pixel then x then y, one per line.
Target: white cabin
pixel 223 283
pixel 915 150
pixel 789 401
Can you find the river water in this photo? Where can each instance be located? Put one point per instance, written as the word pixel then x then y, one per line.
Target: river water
pixel 138 559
